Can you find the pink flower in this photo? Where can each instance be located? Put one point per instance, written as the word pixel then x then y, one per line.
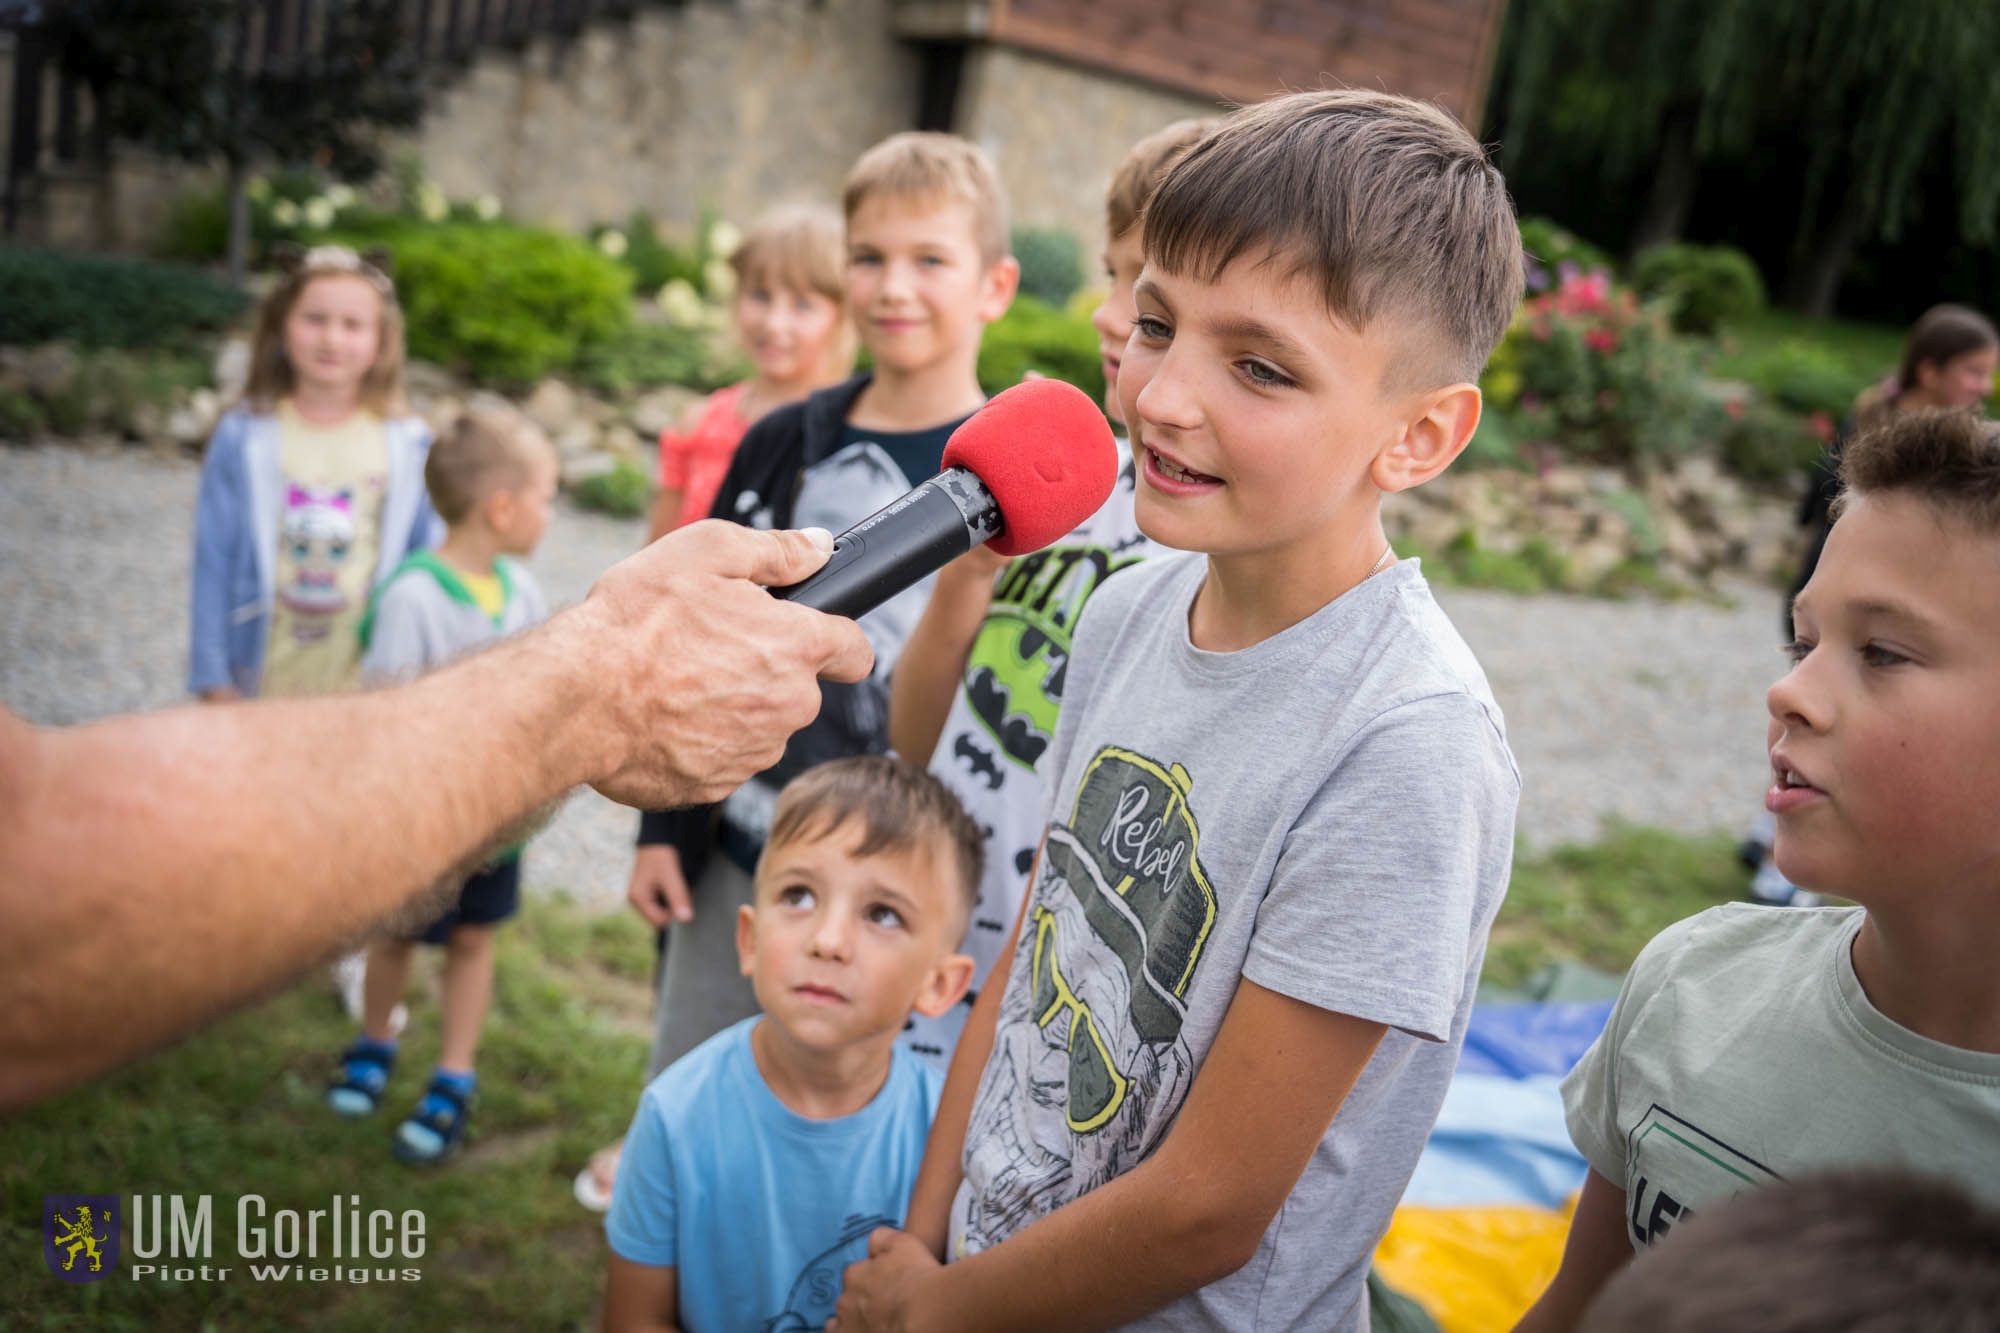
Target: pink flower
pixel 1602 341
pixel 1734 407
pixel 1822 426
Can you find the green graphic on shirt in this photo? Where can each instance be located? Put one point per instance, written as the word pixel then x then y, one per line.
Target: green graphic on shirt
pixel 1673 1167
pixel 1015 672
pixel 1130 854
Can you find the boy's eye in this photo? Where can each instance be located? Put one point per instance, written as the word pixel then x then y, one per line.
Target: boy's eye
pixel 1875 655
pixel 1263 375
pixel 796 895
pixel 864 257
pixel 1795 651
pixel 881 914
pixel 1152 326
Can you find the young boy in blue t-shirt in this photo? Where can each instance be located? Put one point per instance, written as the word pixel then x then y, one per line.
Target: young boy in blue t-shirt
pixel 759 1162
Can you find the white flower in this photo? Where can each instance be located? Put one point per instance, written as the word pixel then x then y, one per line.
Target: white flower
pixel 319 213
pixel 719 279
pixel 723 239
pixel 431 202
pixel 340 196
pixel 486 207
pixel 612 243
pixel 681 303
pixel 285 213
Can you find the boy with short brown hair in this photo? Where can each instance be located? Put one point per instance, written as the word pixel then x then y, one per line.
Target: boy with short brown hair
pixel 1755 1044
pixel 758 1163
pixel 1283 802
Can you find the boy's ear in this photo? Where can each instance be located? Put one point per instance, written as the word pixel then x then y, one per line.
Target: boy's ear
pixel 746 940
pixel 996 289
pixel 1433 438
pixel 944 986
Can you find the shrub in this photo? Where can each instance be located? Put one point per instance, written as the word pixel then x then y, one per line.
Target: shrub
pixel 1051 264
pixel 1588 369
pixel 1768 446
pixel 1554 253
pixel 623 492
pixel 21 415
pixel 99 301
pixel 647 355
pixel 1805 377
pixel 504 302
pixel 1033 336
pixel 1706 286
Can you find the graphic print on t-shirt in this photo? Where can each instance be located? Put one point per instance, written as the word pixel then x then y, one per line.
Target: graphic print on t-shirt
pixel 1014 674
pixel 1112 938
pixel 1673 1168
pixel 809 1302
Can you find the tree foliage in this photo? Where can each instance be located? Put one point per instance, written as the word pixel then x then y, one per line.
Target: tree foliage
pixel 1867 97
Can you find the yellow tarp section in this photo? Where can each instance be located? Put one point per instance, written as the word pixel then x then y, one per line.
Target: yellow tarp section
pixel 1474 1270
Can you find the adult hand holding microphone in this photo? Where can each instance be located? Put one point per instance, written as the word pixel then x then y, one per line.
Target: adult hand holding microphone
pixel 158 870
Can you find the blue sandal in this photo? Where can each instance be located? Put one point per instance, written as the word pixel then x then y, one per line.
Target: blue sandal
pixel 364 1072
pixel 435 1128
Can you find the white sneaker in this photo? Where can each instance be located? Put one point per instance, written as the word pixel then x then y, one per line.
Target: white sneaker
pixel 350 974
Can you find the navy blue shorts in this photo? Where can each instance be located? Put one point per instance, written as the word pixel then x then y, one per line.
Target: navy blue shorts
pixel 488 898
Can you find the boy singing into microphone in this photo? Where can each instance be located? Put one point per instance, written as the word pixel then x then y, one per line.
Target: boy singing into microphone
pixel 1282 803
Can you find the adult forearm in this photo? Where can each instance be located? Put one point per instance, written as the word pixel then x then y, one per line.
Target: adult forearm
pixel 193 858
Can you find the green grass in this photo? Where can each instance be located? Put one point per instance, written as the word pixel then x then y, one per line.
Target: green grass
pixel 1600 902
pixel 1868 351
pixel 237 1111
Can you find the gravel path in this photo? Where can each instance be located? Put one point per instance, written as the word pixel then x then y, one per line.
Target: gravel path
pixel 1641 711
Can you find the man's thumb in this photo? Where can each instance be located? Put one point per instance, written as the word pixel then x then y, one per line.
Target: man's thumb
pixel 789 556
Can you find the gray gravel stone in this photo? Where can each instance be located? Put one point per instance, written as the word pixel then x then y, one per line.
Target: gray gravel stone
pixel 1642 711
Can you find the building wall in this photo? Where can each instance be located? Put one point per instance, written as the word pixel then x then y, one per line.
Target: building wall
pixel 1058 131
pixel 732 106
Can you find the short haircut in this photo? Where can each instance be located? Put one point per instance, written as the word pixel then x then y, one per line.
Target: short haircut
pixel 1387 204
pixel 1133 183
pixel 795 246
pixel 1845 1252
pixel 899 805
pixel 930 170
pixel 1948 459
pixel 486 448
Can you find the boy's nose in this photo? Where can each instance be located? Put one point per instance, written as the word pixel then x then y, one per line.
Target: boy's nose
pixel 1794 700
pixel 832 935
pixel 1167 399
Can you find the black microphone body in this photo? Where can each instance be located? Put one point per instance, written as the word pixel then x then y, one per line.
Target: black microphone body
pixel 899 544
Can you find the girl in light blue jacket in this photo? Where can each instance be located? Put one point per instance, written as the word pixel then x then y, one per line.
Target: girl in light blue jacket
pixel 312 489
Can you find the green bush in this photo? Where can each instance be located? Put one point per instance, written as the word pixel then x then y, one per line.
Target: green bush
pixel 1705 285
pixel 99 301
pixel 1768 446
pixel 647 355
pixel 1034 336
pixel 113 388
pixel 21 415
pixel 653 262
pixel 1554 253
pixel 505 303
pixel 1051 264
pixel 1805 377
pixel 1589 370
pixel 623 492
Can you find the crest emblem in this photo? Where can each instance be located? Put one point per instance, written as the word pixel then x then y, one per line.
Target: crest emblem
pixel 80 1234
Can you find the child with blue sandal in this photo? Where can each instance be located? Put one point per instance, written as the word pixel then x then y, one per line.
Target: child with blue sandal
pixel 492 478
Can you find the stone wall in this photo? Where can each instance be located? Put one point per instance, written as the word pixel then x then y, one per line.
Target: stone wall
pixel 1057 131
pixel 732 106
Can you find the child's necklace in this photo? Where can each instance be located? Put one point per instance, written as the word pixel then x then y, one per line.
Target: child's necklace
pixel 1380 560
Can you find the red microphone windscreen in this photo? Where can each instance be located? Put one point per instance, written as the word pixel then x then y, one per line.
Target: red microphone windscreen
pixel 1045 452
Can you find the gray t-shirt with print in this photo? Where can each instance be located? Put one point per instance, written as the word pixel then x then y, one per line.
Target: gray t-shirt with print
pixel 1743 1050
pixel 1329 813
